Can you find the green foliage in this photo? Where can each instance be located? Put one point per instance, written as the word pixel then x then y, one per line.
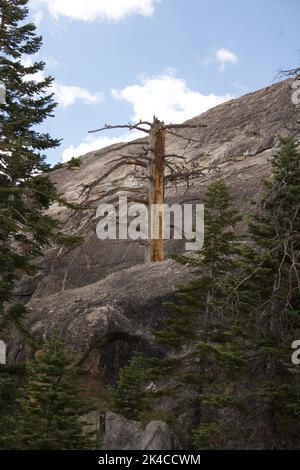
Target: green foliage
pixel 129 396
pixel 272 263
pixel 69 241
pixel 265 401
pixel 74 163
pixel 269 295
pixel 57 166
pixel 231 328
pixel 193 330
pixel 212 265
pixel 24 191
pixel 133 394
pixel 50 407
pixel 194 322
pixel 204 435
pixel 11 380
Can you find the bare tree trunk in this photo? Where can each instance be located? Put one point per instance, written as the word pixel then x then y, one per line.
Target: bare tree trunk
pixel 156 191
pixel 155 173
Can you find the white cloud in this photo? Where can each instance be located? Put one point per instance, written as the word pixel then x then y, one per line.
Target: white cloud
pixel 38 17
pixel 90 10
pixel 221 57
pixel 91 143
pixel 51 62
pixel 65 95
pixel 168 97
pixel 224 56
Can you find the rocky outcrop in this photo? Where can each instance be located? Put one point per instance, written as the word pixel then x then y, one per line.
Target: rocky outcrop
pixel 103 323
pixel 236 144
pixel 124 434
pixel 101 296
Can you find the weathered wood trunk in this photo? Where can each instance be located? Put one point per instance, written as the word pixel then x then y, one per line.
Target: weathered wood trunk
pixel 156 191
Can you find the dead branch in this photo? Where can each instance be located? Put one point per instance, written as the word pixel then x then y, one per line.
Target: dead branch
pixel 124 126
pixel 131 158
pixel 154 159
pixel 288 73
pixel 187 174
pixel 89 187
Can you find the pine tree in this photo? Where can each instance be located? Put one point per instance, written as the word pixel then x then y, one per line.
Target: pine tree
pixel 231 329
pixel 269 299
pixel 51 409
pixel 129 396
pixel 199 329
pixel 11 380
pixel 199 339
pixel 133 395
pixel 263 407
pixel 25 189
pixel 212 265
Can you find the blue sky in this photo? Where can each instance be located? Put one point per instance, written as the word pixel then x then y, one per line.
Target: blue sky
pixel 121 60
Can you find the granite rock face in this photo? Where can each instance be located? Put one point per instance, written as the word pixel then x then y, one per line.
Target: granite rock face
pixel 121 433
pixel 104 322
pixel 236 145
pixel 101 296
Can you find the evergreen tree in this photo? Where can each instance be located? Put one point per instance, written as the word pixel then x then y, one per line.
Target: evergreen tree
pixel 51 409
pixel 25 189
pixel 201 349
pixel 11 380
pixel 26 192
pixel 269 300
pixel 264 399
pixel 199 329
pixel 203 297
pixel 135 393
pixel 231 329
pixel 129 396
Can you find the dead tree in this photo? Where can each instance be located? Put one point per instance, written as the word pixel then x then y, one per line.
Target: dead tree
pixel 288 73
pixel 155 161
